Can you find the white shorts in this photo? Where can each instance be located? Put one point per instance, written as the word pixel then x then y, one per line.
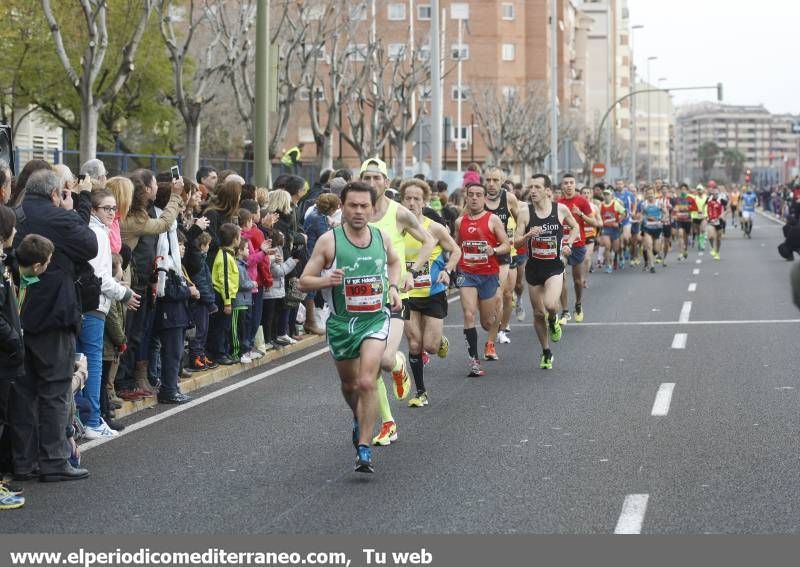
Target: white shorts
pixel 747 215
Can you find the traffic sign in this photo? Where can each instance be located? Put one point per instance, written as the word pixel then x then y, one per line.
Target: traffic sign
pixel 599 170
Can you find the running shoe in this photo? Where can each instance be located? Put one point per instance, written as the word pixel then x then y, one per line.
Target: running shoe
pixel 565 317
pixel 578 313
pixel 489 352
pixel 388 433
pixel 652 269
pixel 9 500
pixel 546 362
pixel 444 348
pixel 622 263
pixel 101 431
pixel 364 459
pixel 658 259
pixel 519 309
pixel 555 330
pixel 210 364
pixel 715 254
pixel 401 379
pixel 426 359
pixel 475 370
pixel 356 433
pixel 608 270
pixel 418 401
pixel 503 338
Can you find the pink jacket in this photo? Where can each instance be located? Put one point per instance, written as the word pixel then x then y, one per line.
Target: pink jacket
pixel 114 236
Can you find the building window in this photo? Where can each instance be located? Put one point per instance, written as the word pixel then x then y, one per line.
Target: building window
pixel 465 130
pixel 424 52
pixel 424 12
pixel 396 51
pixel 509 52
pixel 509 13
pixel 357 51
pixel 509 92
pixel 454 94
pixel 459 51
pixel 397 11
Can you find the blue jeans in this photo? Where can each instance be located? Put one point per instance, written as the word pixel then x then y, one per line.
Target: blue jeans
pixel 90 343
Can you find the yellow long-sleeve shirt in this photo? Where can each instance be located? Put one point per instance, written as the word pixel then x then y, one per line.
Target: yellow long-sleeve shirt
pixel 225 275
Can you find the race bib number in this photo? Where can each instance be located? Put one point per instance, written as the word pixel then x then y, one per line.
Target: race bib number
pixel 363 294
pixel 423 277
pixel 474 252
pixel 544 248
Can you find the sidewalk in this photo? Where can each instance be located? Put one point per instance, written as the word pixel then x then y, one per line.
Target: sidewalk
pixel 206 378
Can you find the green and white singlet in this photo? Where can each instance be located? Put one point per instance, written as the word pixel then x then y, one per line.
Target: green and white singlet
pixel 358 304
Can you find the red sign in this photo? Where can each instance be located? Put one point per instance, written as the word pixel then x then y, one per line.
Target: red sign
pixel 599 170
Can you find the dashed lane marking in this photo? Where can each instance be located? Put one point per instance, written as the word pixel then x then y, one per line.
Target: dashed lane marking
pixel 632 515
pixel 685 311
pixel 663 399
pixel 692 287
pixel 679 341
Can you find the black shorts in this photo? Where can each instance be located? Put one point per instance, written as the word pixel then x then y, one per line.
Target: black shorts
pixel 698 222
pixel 685 225
pixel 504 259
pixel 434 306
pixel 539 271
pixel 591 240
pixel 655 233
pixel 667 228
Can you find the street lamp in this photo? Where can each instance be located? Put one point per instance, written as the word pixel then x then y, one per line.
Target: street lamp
pixel 634 144
pixel 649 120
pixel 660 117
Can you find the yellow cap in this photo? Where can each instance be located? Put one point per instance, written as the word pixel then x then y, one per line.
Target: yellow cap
pixel 377 165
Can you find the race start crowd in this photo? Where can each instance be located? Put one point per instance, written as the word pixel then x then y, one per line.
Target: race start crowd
pixel 114 288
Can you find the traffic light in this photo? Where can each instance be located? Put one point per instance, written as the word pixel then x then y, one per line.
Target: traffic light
pixel 748 174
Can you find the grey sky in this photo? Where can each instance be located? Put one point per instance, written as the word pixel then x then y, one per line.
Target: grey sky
pixel 750 47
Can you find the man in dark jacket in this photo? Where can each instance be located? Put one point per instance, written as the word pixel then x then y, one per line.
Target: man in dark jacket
pixel 51 319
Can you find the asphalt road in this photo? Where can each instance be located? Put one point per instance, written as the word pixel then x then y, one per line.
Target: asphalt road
pixel 572 450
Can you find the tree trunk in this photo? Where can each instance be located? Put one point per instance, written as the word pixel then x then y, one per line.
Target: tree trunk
pixel 191 148
pixel 326 155
pixel 89 119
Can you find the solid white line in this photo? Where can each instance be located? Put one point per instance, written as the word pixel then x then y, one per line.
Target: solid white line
pixel 199 401
pixel 663 399
pixel 659 323
pixel 698 261
pixel 679 341
pixel 696 272
pixel 692 287
pixel 632 515
pixel 685 311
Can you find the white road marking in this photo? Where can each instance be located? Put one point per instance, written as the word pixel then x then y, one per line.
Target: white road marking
pixel 663 323
pixel 685 311
pixel 453 299
pixel 696 272
pixel 632 515
pixel 698 261
pixel 692 287
pixel 199 401
pixel 679 341
pixel 663 399
pixel 701 254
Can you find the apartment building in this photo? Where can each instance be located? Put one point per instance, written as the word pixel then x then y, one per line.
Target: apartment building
pixel 769 142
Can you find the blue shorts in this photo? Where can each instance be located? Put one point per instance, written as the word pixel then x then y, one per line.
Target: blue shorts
pixel 636 227
pixel 625 222
pixel 577 255
pixel 486 284
pixel 611 231
pixel 519 260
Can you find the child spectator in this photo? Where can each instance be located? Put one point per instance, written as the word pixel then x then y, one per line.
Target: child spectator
pixel 225 280
pixel 275 309
pixel 201 309
pixel 33 256
pixel 242 303
pixel 257 267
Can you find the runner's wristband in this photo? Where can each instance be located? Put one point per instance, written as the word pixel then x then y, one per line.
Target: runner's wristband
pixel 395 286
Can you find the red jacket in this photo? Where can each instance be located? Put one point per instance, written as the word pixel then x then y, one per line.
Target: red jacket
pixel 258 262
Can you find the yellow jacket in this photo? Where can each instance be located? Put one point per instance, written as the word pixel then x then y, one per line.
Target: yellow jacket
pixel 225 275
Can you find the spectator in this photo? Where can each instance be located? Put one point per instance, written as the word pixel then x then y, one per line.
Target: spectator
pixel 316 224
pixel 95 170
pixel 257 268
pixel 201 309
pixel 345 174
pixel 18 186
pixel 5 182
pixel 90 339
pixel 241 307
pixel 291 159
pixel 122 189
pixel 206 182
pixel 276 312
pixel 50 313
pixel 248 191
pixel 114 344
pixel 225 279
pixel 223 209
pixel 310 198
pixel 140 232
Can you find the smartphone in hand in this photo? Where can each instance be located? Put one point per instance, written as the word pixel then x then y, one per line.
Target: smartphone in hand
pixel 176 171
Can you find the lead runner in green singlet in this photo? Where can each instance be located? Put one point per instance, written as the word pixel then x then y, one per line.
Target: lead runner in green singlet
pixel 358 269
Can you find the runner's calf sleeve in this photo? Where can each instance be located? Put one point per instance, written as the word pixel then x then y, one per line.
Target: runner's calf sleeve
pixel 471 336
pixel 383 401
pixel 415 361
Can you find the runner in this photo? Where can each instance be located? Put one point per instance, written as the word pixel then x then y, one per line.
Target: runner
pixel 652 212
pixel 482 238
pixel 591 233
pixel 699 217
pixel 735 196
pixel 682 209
pixel 749 200
pixel 715 213
pixel 426 306
pixel 541 229
pixel 582 213
pixel 395 221
pixel 357 268
pixel 613 213
pixel 628 200
pixel 665 202
pixel 505 206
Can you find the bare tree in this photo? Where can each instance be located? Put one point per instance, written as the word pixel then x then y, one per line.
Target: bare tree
pixel 532 145
pixel 498 116
pixel 221 30
pixel 94 15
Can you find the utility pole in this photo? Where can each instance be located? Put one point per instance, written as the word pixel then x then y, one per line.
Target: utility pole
pixel 262 169
pixel 458 138
pixel 436 94
pixel 634 144
pixel 610 74
pixel 649 126
pixel 411 55
pixel 554 90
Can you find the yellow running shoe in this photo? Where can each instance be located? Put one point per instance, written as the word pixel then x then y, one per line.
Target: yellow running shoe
pixel 444 348
pixel 387 434
pixel 579 313
pixel 546 362
pixel 418 401
pixel 555 331
pixel 401 378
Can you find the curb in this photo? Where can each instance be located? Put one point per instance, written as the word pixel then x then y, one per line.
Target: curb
pixel 770 217
pixel 208 377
